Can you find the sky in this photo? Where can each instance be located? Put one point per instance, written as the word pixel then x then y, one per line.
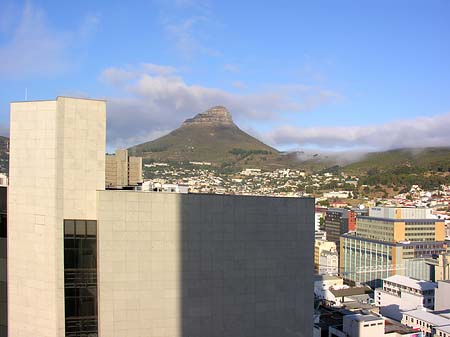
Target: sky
pixel 320 75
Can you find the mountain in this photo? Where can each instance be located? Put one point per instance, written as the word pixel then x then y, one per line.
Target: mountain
pixel 212 136
pixel 426 159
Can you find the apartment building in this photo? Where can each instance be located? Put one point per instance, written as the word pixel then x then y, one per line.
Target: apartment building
pixel 400 293
pixel 85 261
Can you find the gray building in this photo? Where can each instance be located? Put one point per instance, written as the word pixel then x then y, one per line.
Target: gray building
pixel 3 291
pixel 85 261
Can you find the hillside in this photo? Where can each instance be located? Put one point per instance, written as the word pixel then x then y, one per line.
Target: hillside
pixel 212 136
pixel 426 159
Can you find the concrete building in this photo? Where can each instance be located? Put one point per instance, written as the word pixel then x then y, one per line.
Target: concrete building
pixel 401 293
pixel 401 213
pixel 339 221
pixel 361 323
pixel 122 170
pixel 3 259
pixel 329 262
pixel 426 321
pixel 85 261
pixel 319 247
pixel 442 296
pixel 380 246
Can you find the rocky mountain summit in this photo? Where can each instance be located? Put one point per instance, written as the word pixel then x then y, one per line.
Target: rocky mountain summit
pixel 215 116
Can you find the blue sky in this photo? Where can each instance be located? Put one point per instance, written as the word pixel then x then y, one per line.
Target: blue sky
pixel 327 75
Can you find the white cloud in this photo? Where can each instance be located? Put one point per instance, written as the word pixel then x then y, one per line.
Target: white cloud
pixel 416 132
pixel 31 47
pixel 153 99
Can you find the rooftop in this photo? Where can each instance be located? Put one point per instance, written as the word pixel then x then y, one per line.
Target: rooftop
pixel 445 328
pixel 428 317
pixel 412 283
pixel 365 318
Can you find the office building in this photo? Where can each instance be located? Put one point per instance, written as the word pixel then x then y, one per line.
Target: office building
pixel 3 259
pixel 401 293
pixel 122 170
pixel 339 221
pixel 380 247
pixel 85 261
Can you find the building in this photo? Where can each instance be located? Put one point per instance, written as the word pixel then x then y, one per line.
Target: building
pixel 426 321
pixel 339 221
pixel 442 297
pixel 3 259
pixel 3 179
pixel 122 170
pixel 319 218
pixel 401 213
pixel 319 247
pixel 380 247
pixel 361 323
pixel 85 261
pixel 329 262
pixel 401 293
pixel 320 235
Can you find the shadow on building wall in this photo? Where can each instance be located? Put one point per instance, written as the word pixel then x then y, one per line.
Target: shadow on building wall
pixel 246 266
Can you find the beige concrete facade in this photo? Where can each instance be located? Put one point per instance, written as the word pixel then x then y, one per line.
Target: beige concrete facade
pixel 168 264
pixel 122 170
pixel 173 265
pixel 57 162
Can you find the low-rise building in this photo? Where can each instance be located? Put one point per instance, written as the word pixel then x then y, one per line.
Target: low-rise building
pixel 319 247
pixel 425 320
pixel 442 295
pixel 401 293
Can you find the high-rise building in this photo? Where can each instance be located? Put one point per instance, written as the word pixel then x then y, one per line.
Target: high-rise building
pixel 339 221
pixel 3 259
pixel 380 246
pixel 85 261
pixel 122 170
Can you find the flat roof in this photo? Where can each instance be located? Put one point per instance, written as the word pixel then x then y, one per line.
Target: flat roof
pixel 445 328
pixel 398 220
pixel 365 318
pixel 429 317
pixel 52 100
pixel 412 283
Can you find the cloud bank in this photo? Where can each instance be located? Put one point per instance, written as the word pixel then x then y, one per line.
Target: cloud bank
pixel 415 132
pixel 153 99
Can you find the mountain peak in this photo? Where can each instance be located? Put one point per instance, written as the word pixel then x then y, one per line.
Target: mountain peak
pixel 217 115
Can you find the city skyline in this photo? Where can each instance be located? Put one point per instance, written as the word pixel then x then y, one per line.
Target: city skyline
pixel 296 76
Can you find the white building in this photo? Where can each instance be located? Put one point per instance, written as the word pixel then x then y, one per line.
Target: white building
pixel 401 293
pixel 401 213
pixel 328 262
pixel 3 179
pixel 426 321
pixel 442 296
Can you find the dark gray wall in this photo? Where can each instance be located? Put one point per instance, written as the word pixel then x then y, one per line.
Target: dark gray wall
pixel 3 289
pixel 247 266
